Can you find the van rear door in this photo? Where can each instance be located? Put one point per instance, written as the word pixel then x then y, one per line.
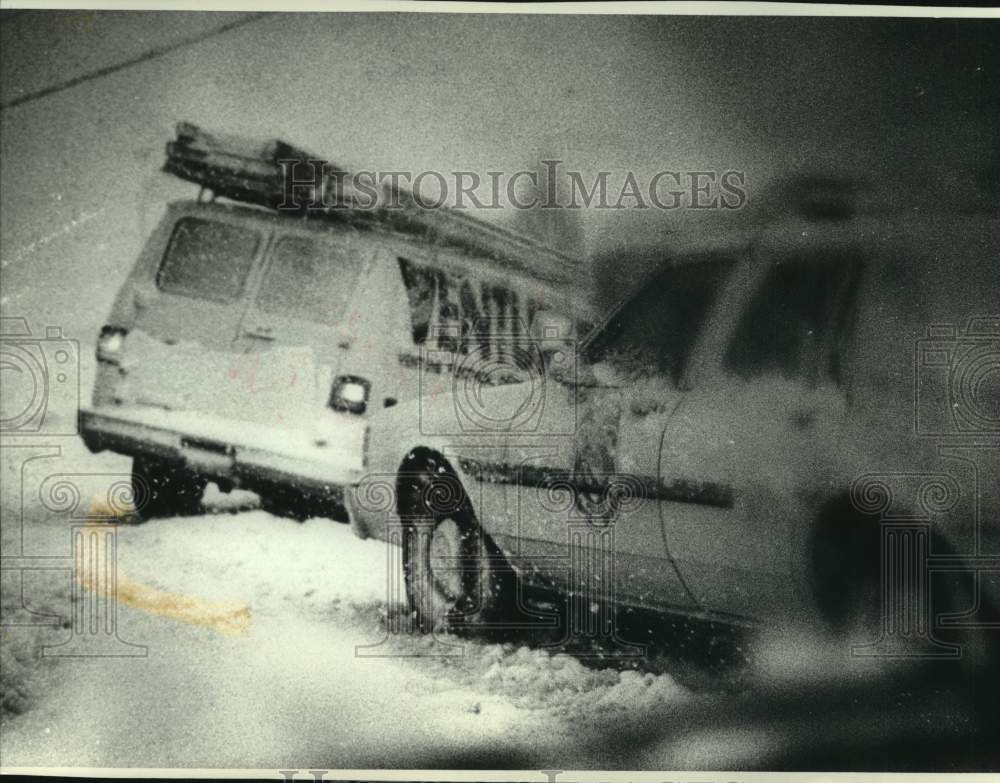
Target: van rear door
pixel 189 295
pixel 301 323
pixel 200 281
pixel 307 288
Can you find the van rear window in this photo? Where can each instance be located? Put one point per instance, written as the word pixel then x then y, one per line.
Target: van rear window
pixel 208 260
pixel 309 279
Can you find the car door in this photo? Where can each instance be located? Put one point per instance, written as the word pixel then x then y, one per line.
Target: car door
pixel 628 388
pixel 641 351
pixel 742 455
pixel 575 514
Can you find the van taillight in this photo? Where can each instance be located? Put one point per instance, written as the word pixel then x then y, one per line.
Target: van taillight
pixel 111 344
pixel 350 394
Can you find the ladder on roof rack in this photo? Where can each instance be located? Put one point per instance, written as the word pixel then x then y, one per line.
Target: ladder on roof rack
pixel 251 172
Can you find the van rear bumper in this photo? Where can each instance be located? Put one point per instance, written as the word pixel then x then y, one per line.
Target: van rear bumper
pixel 237 453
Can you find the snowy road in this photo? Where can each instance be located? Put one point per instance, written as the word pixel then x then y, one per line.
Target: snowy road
pixel 252 626
pixel 290 691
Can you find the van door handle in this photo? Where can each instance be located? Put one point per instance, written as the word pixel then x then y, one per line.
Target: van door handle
pixel 261 332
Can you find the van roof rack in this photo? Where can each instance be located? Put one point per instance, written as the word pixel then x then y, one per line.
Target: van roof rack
pixel 252 172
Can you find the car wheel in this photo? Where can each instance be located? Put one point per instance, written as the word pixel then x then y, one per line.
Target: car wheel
pixel 847 579
pixel 453 572
pixel 162 490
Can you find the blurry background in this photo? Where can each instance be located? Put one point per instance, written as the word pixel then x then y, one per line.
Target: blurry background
pixel 909 104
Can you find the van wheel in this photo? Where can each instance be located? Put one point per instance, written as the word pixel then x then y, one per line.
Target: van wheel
pixel 454 573
pixel 284 502
pixel 163 490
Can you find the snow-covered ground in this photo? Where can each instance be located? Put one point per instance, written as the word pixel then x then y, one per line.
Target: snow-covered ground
pixel 289 688
pixel 266 646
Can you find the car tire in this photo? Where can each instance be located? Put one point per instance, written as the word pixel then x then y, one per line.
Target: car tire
pixel 847 582
pixel 454 574
pixel 163 490
pixel 845 574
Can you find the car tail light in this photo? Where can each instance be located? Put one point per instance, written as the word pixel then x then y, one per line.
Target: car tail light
pixel 111 344
pixel 350 394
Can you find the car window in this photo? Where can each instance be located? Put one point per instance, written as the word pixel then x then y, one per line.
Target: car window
pixel 309 278
pixel 207 259
pixel 794 325
pixel 655 332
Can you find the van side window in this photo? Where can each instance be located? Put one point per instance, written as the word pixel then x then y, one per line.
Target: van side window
pixel 207 259
pixel 532 308
pixel 421 287
pixel 448 306
pixel 472 320
pixel 465 315
pixel 449 315
pixel 308 278
pixel 504 320
pixel 794 325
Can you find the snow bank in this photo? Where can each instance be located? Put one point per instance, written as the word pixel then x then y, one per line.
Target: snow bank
pixel 278 567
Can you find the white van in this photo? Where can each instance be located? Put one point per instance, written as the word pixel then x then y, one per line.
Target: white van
pixel 248 346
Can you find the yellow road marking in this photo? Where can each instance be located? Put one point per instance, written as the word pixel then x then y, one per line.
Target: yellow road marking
pixel 227 617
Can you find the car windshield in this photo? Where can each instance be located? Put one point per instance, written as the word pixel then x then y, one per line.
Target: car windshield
pixel 654 332
pixel 207 259
pixel 309 278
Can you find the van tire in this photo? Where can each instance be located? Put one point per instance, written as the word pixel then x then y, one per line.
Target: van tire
pixel 287 503
pixel 160 489
pixel 455 575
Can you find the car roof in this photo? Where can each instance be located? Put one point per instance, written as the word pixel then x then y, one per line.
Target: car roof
pixel 943 245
